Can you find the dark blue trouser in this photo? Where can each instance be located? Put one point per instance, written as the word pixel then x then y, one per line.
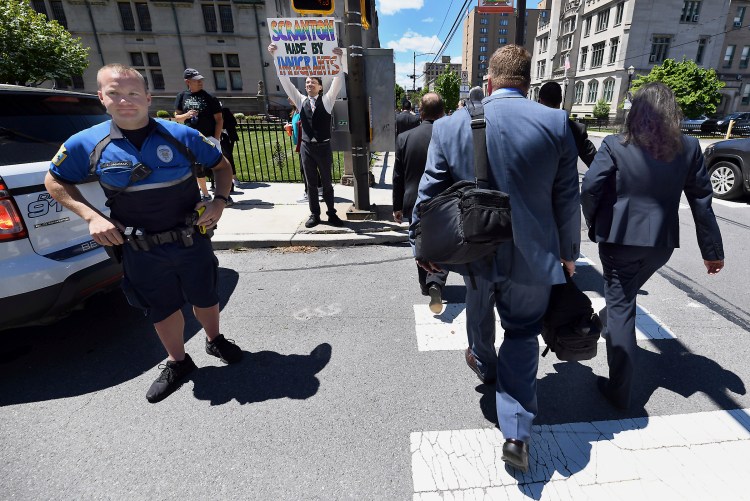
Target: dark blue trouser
pixel 521 308
pixel 625 268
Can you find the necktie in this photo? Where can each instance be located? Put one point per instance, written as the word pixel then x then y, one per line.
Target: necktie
pixel 312 104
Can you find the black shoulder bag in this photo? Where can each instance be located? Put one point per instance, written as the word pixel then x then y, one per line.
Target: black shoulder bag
pixel 468 221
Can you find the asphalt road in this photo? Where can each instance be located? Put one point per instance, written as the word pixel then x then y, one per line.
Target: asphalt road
pixel 332 383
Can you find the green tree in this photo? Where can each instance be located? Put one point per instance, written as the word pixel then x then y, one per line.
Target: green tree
pixel 400 95
pixel 33 49
pixel 696 88
pixel 448 85
pixel 601 109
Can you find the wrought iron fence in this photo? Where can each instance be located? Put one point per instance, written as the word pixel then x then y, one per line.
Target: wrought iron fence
pixel 265 152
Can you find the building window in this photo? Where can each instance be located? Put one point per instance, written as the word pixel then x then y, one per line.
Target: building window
pixel 149 65
pixel 602 20
pixel 128 21
pixel 482 66
pixel 484 20
pixel 609 90
pixel 587 26
pixel 584 53
pixel 744 57
pixel 59 14
pixel 543 44
pixel 740 17
pixel 482 58
pixel 482 39
pixel 746 94
pixel 597 54
pixel 618 13
pixel 224 78
pixel 613 44
pixel 126 16
pixel 209 18
pixel 578 99
pixel 40 7
pixel 659 49
pixel 502 31
pixel 482 48
pixel 541 67
pixel 482 30
pixel 502 40
pixel 701 51
pixel 144 17
pixel 690 11
pixel 503 22
pixel 593 91
pixel 569 25
pixel 567 42
pixel 728 56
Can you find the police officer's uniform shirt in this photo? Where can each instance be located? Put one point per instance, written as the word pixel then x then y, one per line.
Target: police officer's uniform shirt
pixel 157 203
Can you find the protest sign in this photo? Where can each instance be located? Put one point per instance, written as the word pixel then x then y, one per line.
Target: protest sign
pixel 304 46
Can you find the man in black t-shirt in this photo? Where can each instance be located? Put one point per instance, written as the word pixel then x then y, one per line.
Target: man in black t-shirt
pixel 200 110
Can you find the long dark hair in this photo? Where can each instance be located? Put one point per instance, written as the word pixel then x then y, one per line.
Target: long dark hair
pixel 654 122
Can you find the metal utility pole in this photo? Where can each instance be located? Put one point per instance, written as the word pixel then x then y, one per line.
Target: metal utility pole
pixel 520 22
pixel 357 107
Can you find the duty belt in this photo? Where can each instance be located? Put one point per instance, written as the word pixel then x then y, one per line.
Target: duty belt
pixel 139 240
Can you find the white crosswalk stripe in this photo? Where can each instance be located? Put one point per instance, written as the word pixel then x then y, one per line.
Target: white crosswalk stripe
pixel 620 459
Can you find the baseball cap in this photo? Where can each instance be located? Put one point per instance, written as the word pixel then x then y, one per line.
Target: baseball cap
pixel 192 74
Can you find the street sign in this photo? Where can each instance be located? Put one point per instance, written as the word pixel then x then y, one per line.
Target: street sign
pixel 464 76
pixel 626 105
pixel 464 88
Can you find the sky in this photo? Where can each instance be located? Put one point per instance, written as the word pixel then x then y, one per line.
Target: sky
pixel 409 26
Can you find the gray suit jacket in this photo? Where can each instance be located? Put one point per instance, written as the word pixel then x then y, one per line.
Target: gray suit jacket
pixel 532 157
pixel 630 198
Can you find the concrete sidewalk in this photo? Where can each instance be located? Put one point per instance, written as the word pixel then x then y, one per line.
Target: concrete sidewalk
pixel 268 215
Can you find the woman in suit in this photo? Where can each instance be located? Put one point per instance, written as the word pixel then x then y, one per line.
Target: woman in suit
pixel 630 198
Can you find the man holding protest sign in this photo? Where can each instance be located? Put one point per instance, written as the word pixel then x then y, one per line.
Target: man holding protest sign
pixel 304 56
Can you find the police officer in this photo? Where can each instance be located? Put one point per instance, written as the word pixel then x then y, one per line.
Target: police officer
pixel 145 169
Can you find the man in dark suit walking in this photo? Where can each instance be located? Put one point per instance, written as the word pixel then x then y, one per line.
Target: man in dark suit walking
pixel 406 120
pixel 532 156
pixel 551 95
pixel 411 156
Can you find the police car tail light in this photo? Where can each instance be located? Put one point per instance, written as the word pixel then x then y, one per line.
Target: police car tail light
pixel 11 222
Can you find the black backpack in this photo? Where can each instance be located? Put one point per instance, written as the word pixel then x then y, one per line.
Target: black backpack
pixel 570 328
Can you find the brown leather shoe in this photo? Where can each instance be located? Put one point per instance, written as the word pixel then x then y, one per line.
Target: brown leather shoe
pixel 516 454
pixel 471 361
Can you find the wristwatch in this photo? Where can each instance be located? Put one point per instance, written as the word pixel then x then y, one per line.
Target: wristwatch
pixel 222 197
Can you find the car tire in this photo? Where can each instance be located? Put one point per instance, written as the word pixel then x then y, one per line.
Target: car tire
pixel 726 180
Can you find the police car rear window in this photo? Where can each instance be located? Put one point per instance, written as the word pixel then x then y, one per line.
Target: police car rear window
pixel 33 126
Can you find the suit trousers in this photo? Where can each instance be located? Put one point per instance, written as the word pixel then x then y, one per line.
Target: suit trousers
pixel 521 308
pixel 317 160
pixel 625 268
pixel 426 279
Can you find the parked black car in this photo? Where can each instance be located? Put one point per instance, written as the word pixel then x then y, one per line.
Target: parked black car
pixel 728 164
pixel 701 124
pixel 741 125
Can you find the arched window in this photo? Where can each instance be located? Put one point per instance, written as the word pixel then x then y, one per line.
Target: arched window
pixel 579 92
pixel 536 93
pixel 609 90
pixel 593 91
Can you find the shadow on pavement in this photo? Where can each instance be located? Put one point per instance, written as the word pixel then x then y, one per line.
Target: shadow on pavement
pixel 98 347
pixel 262 376
pixel 571 407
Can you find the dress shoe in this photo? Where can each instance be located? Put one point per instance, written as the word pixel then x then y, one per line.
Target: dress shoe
pixel 313 220
pixel 602 384
pixel 436 298
pixel 471 361
pixel 334 220
pixel 516 454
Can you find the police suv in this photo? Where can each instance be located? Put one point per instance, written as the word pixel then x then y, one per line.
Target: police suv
pixel 48 261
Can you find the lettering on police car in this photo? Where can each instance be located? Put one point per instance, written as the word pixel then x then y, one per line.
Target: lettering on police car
pixel 164 153
pixel 42 205
pixel 61 155
pixel 50 223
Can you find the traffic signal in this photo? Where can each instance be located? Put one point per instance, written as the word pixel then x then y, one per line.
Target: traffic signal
pixel 324 7
pixel 365 7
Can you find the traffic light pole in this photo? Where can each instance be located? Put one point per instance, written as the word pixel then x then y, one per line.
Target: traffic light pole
pixel 520 22
pixel 358 111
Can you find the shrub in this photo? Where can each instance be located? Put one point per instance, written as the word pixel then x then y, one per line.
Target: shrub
pixel 239 116
pixel 163 114
pixel 601 110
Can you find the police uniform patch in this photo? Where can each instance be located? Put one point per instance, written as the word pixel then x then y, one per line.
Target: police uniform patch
pixel 61 155
pixel 205 140
pixel 164 153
